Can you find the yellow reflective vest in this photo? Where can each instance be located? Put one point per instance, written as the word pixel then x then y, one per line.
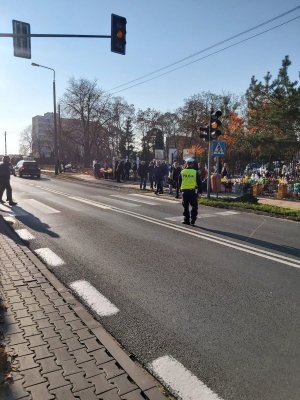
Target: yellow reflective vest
pixel 188 179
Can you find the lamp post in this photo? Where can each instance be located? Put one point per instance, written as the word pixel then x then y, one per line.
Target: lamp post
pixel 55 123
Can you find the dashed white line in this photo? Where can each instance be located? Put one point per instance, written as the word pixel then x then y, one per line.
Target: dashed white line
pixel 24 234
pixel 180 380
pixel 49 257
pixel 99 303
pixel 150 203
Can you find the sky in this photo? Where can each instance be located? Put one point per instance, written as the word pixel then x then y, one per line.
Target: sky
pixel 159 33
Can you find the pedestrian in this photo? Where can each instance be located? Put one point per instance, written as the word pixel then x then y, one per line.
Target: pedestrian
pixel 175 174
pixel 97 167
pixel 142 173
pixel 120 171
pixel 224 171
pixel 5 169
pixel 190 186
pixel 151 174
pixel 127 168
pixel 134 170
pixel 165 169
pixel 159 178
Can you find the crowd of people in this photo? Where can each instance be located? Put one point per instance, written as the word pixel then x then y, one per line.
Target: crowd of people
pixel 156 175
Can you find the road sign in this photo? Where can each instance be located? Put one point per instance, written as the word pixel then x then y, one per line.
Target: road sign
pixel 218 148
pixel 22 42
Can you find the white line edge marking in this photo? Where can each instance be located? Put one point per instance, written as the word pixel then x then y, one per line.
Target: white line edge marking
pixel 99 303
pixel 49 257
pixel 131 199
pixel 219 240
pixel 92 203
pixel 156 199
pixel 24 234
pixel 180 380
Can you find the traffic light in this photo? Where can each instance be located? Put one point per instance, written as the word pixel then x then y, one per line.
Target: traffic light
pixel 215 125
pixel 22 42
pixel 118 34
pixel 213 130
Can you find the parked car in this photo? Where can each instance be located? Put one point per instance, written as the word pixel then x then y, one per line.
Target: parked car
pixel 27 168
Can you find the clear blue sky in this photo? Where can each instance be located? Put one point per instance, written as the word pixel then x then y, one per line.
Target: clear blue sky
pixel 159 32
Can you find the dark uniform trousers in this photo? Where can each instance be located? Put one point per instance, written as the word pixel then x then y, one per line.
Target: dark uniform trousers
pixel 190 198
pixel 6 185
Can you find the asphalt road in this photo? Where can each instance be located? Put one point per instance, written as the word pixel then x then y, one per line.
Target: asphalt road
pixel 221 298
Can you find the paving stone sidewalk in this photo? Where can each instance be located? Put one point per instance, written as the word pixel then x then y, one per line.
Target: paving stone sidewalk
pixel 56 349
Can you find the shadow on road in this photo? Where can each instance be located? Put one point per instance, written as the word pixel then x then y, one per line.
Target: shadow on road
pixel 293 251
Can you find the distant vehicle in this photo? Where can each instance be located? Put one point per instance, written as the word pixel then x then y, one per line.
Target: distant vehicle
pixel 27 168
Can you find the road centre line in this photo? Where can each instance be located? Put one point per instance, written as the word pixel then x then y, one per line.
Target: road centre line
pixel 156 199
pixel 131 199
pixel 190 231
pixel 96 301
pixel 180 380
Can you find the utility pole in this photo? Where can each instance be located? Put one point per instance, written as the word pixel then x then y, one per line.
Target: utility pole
pixel 5 145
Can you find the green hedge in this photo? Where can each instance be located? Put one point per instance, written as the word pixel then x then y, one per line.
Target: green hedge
pixel 252 204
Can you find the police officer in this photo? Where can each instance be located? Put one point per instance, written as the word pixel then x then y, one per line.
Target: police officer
pixel 190 186
pixel 5 169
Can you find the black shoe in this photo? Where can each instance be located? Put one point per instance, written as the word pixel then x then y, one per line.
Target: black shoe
pixel 186 222
pixel 2 202
pixel 193 223
pixel 12 203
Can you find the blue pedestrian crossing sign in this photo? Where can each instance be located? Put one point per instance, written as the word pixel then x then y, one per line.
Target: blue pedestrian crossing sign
pixel 218 149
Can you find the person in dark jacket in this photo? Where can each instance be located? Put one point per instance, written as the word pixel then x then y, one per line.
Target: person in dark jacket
pixel 175 174
pixel 120 171
pixel 151 174
pixel 159 178
pixel 190 186
pixel 143 172
pixel 5 170
pixel 127 168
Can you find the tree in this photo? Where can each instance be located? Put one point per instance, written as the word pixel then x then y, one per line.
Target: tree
pixel 273 121
pixel 82 101
pixel 126 142
pixel 25 141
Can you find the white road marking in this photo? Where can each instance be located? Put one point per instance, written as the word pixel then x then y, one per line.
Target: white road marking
pixel 228 213
pixel 43 207
pixel 180 380
pixel 10 220
pixel 122 203
pixel 150 203
pixel 24 234
pixel 156 199
pixel 99 303
pixel 49 257
pixel 90 202
pixel 200 215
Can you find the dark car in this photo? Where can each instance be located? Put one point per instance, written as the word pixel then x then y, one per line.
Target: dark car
pixel 27 168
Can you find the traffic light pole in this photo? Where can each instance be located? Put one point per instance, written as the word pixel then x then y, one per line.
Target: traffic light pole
pixel 209 162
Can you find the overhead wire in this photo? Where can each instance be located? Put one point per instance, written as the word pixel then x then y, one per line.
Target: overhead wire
pixel 206 49
pixel 208 55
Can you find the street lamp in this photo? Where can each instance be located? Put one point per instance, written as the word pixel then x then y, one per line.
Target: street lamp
pixel 55 124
